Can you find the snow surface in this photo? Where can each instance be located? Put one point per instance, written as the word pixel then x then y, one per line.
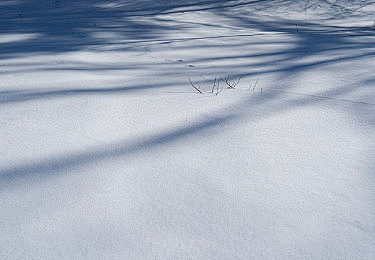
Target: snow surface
pixel 108 152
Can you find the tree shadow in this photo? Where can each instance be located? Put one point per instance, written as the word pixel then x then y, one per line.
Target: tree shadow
pixel 268 104
pixel 309 45
pixel 76 25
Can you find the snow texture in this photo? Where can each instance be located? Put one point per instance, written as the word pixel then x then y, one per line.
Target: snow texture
pixel 107 151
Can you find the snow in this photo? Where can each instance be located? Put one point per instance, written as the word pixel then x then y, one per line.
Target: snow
pixel 108 152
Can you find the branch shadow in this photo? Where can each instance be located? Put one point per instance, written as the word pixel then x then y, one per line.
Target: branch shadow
pixel 57 33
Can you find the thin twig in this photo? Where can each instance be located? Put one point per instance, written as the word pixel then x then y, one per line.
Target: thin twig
pixel 195 87
pixel 256 82
pixel 213 87
pixel 237 82
pixel 217 88
pixel 227 81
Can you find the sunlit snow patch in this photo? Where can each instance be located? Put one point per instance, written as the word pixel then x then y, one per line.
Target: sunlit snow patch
pixel 17 37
